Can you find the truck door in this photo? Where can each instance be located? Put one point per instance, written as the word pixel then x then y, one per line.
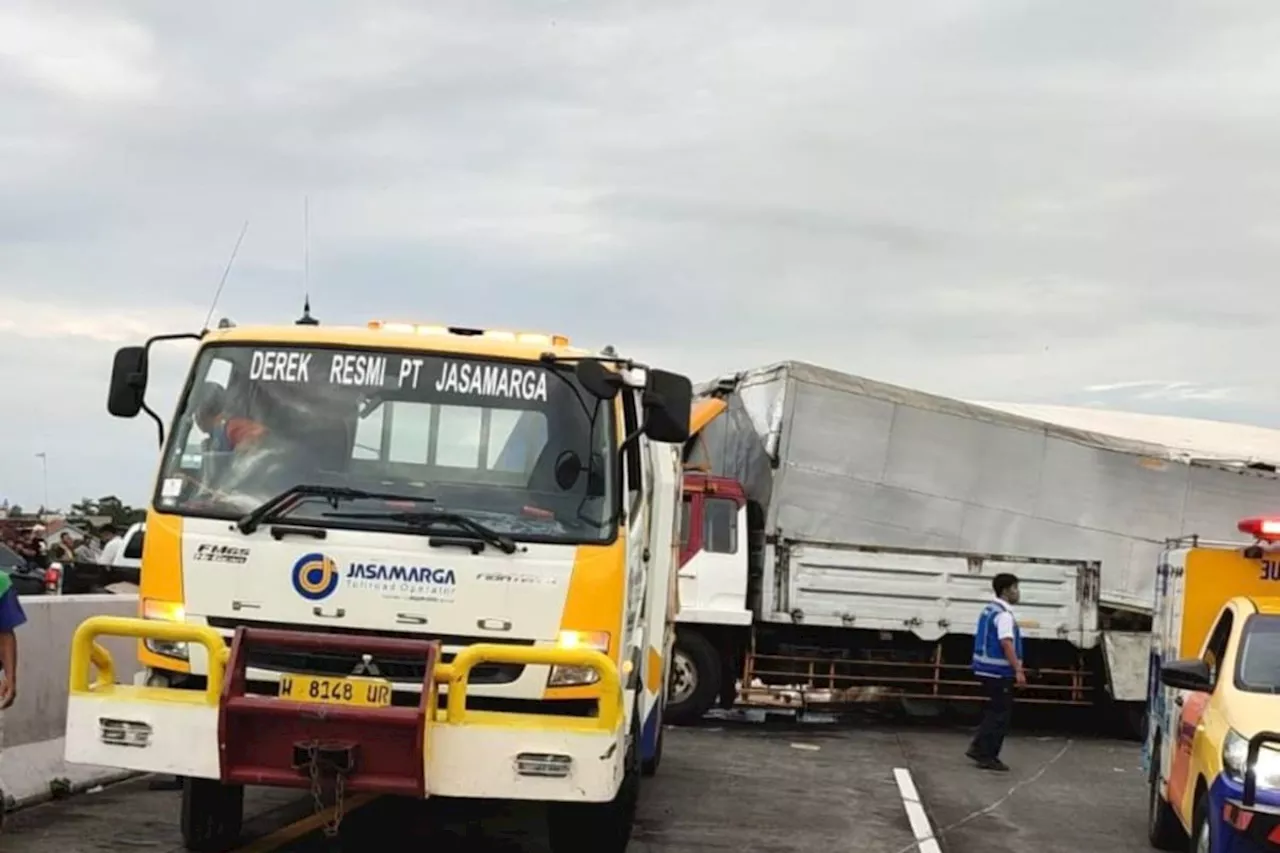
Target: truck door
pixel 637 505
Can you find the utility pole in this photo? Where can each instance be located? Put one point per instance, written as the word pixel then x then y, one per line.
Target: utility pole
pixel 44 469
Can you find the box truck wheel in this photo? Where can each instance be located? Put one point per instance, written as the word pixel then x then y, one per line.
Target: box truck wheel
pixel 600 827
pixel 695 680
pixel 1163 830
pixel 212 815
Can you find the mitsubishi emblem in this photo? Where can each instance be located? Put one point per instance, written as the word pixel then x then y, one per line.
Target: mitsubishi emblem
pixel 366 666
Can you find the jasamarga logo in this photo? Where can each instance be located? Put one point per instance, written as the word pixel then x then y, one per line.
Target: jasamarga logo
pixel 415 582
pixel 401 574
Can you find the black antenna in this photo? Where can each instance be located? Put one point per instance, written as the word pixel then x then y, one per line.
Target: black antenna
pixel 306 244
pixel 226 272
pixel 306 319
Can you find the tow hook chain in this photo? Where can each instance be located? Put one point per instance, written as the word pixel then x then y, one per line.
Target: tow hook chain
pixel 331 826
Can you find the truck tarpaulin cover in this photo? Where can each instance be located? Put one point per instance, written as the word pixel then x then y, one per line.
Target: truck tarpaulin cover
pixel 836 457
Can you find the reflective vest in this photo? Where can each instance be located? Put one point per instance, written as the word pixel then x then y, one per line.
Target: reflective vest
pixel 988 655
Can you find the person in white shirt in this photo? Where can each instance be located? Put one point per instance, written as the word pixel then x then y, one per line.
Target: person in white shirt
pixel 111 545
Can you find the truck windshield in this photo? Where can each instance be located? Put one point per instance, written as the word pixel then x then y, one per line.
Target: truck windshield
pixel 513 445
pixel 1258 670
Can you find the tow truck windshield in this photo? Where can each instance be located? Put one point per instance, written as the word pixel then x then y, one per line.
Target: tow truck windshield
pixel 517 447
pixel 1258 669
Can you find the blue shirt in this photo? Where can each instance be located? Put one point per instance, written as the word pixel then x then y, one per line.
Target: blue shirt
pixel 11 613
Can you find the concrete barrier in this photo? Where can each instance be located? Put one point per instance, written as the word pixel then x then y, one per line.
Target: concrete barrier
pixel 31 765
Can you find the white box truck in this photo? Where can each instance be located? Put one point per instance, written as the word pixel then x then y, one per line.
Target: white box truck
pixel 841 535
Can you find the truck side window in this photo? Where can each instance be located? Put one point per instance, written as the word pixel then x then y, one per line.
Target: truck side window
pixel 720 526
pixel 1216 648
pixel 686 517
pixel 632 463
pixel 133 548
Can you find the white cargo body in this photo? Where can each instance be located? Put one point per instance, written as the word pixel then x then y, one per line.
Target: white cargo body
pixel 838 458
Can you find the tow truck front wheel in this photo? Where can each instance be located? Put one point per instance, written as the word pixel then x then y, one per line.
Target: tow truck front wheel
pixel 599 827
pixel 212 815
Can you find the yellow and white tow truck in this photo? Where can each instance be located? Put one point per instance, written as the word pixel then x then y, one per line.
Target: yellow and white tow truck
pixel 398 559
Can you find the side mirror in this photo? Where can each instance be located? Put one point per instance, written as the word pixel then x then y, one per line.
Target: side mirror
pixel 1192 674
pixel 128 382
pixel 568 469
pixel 668 401
pixel 598 381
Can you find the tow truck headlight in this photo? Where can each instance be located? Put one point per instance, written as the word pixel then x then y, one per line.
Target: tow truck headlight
pixel 165 611
pixel 1235 752
pixel 577 676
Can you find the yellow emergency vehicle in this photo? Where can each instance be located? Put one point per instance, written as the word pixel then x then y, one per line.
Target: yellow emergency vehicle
pixel 399 559
pixel 1213 742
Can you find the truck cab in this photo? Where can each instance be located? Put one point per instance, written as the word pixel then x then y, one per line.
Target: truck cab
pixel 713 585
pixel 1213 750
pixel 714 544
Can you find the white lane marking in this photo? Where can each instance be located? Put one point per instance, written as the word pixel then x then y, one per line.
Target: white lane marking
pixel 920 826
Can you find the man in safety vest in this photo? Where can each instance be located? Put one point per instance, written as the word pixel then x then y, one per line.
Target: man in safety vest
pixel 997 662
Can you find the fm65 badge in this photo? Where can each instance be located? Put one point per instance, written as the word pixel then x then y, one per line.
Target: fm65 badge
pixel 221 554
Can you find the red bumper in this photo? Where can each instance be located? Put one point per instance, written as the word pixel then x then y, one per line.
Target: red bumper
pixel 265 740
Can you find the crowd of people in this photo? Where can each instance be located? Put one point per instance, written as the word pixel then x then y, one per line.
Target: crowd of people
pixel 99 546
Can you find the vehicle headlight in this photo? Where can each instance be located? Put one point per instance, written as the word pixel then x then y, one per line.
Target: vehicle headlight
pixel 165 611
pixel 1235 752
pixel 577 676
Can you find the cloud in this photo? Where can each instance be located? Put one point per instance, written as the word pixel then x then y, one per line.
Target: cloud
pixel 58 363
pixel 82 57
pixel 1148 389
pixel 38 320
pixel 1008 201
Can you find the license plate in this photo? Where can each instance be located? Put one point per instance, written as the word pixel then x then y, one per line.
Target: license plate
pixel 323 690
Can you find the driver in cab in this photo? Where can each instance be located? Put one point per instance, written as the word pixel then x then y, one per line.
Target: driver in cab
pixel 226 432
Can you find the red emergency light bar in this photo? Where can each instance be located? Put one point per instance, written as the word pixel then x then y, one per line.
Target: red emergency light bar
pixel 1265 529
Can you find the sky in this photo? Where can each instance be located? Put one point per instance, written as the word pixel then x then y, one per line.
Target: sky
pixel 1054 202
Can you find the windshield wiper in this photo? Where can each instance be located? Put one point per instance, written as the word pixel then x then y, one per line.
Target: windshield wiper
pixel 274 506
pixel 425 519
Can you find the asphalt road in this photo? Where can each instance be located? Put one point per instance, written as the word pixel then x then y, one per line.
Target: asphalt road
pixel 722 787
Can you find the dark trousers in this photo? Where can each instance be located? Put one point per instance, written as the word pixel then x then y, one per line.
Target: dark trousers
pixel 995 718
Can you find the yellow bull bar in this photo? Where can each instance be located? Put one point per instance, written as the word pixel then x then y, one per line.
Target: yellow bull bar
pixel 87 654
pixel 456 674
